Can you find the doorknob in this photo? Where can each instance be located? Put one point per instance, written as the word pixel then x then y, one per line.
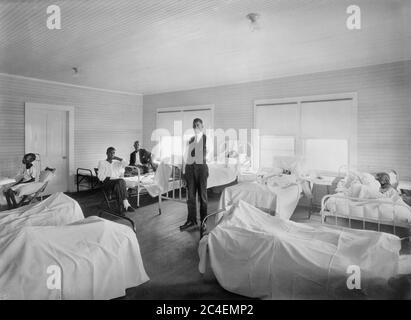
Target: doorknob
pixel 64 157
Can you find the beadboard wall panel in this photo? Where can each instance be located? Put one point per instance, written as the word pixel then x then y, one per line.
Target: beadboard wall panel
pixel 102 119
pixel 384 108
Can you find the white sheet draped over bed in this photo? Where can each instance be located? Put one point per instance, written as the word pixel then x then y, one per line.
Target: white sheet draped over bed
pixel 220 174
pixel 281 200
pixel 56 210
pixel 98 259
pixel 258 255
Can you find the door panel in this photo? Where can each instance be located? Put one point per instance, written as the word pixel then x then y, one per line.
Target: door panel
pixel 48 136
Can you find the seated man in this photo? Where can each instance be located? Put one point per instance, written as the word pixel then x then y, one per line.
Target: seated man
pixel 110 172
pixel 27 173
pixel 141 158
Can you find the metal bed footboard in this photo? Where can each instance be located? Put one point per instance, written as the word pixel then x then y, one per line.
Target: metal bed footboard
pixel 83 174
pixel 203 228
pixel 359 202
pixel 180 186
pixel 138 188
pixel 114 214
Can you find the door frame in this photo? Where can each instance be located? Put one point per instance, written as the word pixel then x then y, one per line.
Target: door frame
pixel 32 107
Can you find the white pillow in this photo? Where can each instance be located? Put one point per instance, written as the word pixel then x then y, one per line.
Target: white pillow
pixel 46 175
pixel 282 181
pixel 354 190
pixel 293 164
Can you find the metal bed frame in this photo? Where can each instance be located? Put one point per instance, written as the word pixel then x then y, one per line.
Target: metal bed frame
pixel 114 214
pixel 203 227
pixel 139 187
pixel 181 185
pixel 391 222
pixel 83 174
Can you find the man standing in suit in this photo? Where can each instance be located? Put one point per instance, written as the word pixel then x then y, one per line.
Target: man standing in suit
pixel 196 174
pixel 141 158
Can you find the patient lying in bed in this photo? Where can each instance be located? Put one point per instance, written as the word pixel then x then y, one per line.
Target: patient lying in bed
pixel 366 186
pixel 386 189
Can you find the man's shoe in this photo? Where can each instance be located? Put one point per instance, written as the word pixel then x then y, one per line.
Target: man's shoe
pixel 187 225
pixel 130 209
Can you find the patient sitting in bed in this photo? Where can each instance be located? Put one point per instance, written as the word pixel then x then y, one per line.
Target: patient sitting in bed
pixel 27 173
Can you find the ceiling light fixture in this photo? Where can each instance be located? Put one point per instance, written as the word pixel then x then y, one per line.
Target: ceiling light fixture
pixel 253 20
pixel 75 72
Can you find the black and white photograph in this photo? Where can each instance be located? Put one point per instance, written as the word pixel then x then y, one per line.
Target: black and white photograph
pixel 205 155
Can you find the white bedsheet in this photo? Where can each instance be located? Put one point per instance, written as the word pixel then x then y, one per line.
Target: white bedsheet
pixel 282 201
pixel 98 259
pixel 56 210
pixel 219 175
pixel 257 255
pixel 379 210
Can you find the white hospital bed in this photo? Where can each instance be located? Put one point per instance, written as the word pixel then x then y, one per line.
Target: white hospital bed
pixel 357 201
pixel 168 184
pixel 383 211
pixel 96 258
pixel 257 255
pixel 273 196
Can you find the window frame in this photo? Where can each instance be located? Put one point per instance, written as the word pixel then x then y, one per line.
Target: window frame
pixel 299 139
pixel 181 110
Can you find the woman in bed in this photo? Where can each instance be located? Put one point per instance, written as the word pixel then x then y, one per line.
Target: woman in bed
pixel 27 173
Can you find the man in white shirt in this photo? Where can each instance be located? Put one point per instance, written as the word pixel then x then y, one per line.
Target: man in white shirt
pixel 110 172
pixel 196 174
pixel 27 173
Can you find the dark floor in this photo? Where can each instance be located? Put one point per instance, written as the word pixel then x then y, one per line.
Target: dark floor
pixel 170 257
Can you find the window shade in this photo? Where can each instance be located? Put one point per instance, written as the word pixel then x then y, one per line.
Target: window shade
pixel 277 119
pixel 329 119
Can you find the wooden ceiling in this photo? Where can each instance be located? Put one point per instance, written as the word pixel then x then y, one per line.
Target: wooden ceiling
pixel 152 46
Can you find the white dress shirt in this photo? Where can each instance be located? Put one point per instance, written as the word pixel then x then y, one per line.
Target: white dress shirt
pixel 27 174
pixel 113 170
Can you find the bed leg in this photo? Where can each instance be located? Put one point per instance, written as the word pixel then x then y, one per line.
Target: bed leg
pixel 138 196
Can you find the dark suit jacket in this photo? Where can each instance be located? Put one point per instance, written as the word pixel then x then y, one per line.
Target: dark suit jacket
pixel 192 151
pixel 144 156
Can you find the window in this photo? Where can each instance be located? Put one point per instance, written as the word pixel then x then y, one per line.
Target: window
pixel 321 130
pixel 274 146
pixel 326 154
pixel 175 128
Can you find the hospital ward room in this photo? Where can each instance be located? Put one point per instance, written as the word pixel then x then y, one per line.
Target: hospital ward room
pixel 205 150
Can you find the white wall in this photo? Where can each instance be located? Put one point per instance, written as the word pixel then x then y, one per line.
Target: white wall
pixel 102 119
pixel 384 107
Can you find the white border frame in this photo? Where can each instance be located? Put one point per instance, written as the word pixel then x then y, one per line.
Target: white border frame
pixel 30 107
pixel 353 140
